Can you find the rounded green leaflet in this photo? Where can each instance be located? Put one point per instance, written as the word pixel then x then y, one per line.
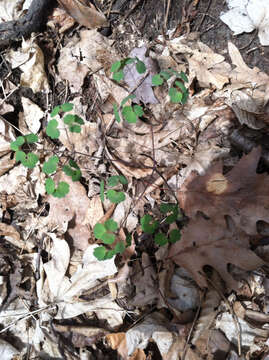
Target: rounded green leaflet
pixel 115 66
pixel 148 224
pixel 174 235
pixel 98 230
pixel 140 67
pixel 118 75
pixel 109 254
pixel 113 180
pixel 166 74
pixel 99 252
pixel 73 164
pixel 165 208
pixel 108 238
pixel 52 130
pixel 76 175
pixel 62 190
pixel 78 120
pixel 30 161
pixel 50 166
pixel 49 186
pixel 115 196
pixel 157 80
pixel 184 76
pixel 55 111
pixel 119 247
pixel 160 239
pixel 123 180
pixel 129 97
pixel 128 61
pixel 20 155
pixel 138 110
pixel 74 128
pixel 67 170
pixel 181 86
pixel 66 107
pixel 111 225
pixel 129 115
pixel 31 138
pixel 69 119
pixel 15 145
pixel 175 96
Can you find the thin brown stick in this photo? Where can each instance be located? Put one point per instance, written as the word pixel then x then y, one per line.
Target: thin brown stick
pixel 166 14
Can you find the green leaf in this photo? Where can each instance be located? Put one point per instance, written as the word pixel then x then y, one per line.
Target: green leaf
pixel 111 225
pixel 69 119
pixel 119 247
pixel 183 76
pixel 166 74
pixel 31 138
pixel 157 80
pixel 66 107
pixel 99 252
pixel 129 115
pixel 138 110
pixel 115 196
pixel 49 186
pixel 67 170
pixel 185 97
pixel 140 67
pixel 102 191
pixel 50 166
pixel 98 230
pixel 116 113
pixel 128 61
pixel 123 180
pixel 173 217
pixel 128 240
pixel 30 161
pixel 160 239
pixel 118 75
pixel 52 130
pixel 78 120
pixel 124 101
pixel 15 145
pixel 108 238
pixel 73 164
pixel 148 224
pixel 174 236
pixel 181 86
pixel 74 128
pixel 20 156
pixel 113 181
pixel 109 254
pixel 55 111
pixel 165 208
pixel 62 190
pixel 115 66
pixel 175 96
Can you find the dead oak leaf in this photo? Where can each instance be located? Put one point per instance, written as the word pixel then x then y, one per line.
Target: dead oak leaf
pixel 241 193
pixel 204 242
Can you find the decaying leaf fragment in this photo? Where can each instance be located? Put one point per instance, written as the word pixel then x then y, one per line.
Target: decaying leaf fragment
pixel 84 13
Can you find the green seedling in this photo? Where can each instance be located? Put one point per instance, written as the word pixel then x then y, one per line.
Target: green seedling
pixel 22 146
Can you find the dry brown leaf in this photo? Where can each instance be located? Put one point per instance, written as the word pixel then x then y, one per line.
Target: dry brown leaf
pixel 70 212
pixel 62 19
pixel 204 242
pixel 84 13
pixel 12 236
pixel 241 193
pixel 29 119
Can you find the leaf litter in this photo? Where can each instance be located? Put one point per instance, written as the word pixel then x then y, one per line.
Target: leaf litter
pixel 170 147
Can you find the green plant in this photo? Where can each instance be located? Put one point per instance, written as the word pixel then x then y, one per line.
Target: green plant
pixel 23 146
pixel 178 92
pixel 150 226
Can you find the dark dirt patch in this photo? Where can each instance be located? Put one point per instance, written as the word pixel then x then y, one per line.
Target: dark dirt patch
pixel 148 18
